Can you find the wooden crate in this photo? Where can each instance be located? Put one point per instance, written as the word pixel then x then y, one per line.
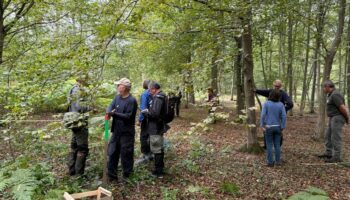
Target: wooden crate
pixel 99 194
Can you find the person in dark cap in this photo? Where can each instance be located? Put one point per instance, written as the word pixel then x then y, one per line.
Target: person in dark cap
pixel 156 126
pixel 123 110
pixel 338 116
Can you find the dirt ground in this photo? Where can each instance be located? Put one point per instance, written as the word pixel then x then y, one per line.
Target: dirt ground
pixel 222 162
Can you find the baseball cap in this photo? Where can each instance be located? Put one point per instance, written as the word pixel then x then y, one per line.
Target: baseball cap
pixel 123 81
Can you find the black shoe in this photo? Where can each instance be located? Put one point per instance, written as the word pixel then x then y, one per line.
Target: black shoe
pixel 324 156
pixel 270 165
pixel 279 163
pixel 333 160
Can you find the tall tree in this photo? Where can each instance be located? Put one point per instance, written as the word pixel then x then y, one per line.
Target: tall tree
pixel 305 86
pixel 330 53
pixel 248 69
pixel 239 81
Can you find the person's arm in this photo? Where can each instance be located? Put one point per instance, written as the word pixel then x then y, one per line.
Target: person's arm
pixel 288 103
pixel 130 107
pixel 111 106
pixel 283 117
pixel 264 93
pixel 154 111
pixel 143 104
pixel 344 112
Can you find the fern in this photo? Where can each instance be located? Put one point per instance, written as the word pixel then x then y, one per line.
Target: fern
pixel 24 183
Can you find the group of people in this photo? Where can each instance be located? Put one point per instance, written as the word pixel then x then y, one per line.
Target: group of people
pixel 273 121
pixel 123 110
pixel 153 108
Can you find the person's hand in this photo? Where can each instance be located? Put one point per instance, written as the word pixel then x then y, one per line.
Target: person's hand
pixel 144 111
pixel 139 123
pixel 263 129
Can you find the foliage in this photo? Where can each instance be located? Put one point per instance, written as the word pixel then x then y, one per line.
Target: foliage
pixel 310 193
pixel 25 183
pixel 169 194
pixel 230 188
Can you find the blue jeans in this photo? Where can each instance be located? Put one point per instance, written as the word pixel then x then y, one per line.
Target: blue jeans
pixel 273 138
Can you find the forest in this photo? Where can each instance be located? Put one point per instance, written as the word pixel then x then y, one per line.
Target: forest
pixel 212 150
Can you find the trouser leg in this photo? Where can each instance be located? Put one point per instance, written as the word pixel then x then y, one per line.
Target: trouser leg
pixel 276 143
pixel 157 148
pixel 113 156
pixel 269 146
pixel 144 139
pixel 328 140
pixel 337 125
pixel 82 150
pixel 72 155
pixel 127 154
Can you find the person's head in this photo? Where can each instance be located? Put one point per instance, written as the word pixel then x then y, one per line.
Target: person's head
pixel 328 86
pixel 275 95
pixel 277 84
pixel 145 84
pixel 123 86
pixel 153 87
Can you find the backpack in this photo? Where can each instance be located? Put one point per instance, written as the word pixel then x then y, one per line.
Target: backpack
pixel 169 109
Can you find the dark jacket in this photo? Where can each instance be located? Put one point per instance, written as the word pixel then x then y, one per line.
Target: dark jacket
pixel 285 99
pixel 124 115
pixel 156 112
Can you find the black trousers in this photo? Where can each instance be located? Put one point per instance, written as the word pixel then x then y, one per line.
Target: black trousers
pixel 178 103
pixel 121 146
pixel 144 138
pixel 159 162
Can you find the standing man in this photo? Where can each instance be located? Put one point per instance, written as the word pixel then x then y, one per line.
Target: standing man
pixel 178 101
pixel 77 99
pixel 338 116
pixel 123 110
pixel 146 98
pixel 285 99
pixel 156 126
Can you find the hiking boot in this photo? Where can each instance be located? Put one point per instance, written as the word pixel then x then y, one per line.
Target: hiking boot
pixel 279 163
pixel 333 160
pixel 270 165
pixel 324 156
pixel 157 174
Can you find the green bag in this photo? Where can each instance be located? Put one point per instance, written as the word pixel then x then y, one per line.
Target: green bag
pixel 75 120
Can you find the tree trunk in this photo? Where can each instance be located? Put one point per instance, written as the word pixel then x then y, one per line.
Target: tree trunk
pixel 248 68
pixel 305 87
pixel 330 53
pixel 316 65
pixel 214 68
pixel 262 63
pixel 347 74
pixel 290 59
pixel 2 31
pixel 239 82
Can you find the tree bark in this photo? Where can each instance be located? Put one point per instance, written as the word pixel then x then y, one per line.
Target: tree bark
pixel 316 65
pixel 347 74
pixel 330 53
pixel 305 87
pixel 248 68
pixel 290 59
pixel 239 82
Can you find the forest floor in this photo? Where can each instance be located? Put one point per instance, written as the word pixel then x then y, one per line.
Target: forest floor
pixel 207 164
pixel 204 161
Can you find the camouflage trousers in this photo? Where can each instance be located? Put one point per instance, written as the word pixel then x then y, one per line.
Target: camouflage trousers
pixel 79 150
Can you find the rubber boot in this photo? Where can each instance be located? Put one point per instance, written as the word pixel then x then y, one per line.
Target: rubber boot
pixel 80 163
pixel 71 162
